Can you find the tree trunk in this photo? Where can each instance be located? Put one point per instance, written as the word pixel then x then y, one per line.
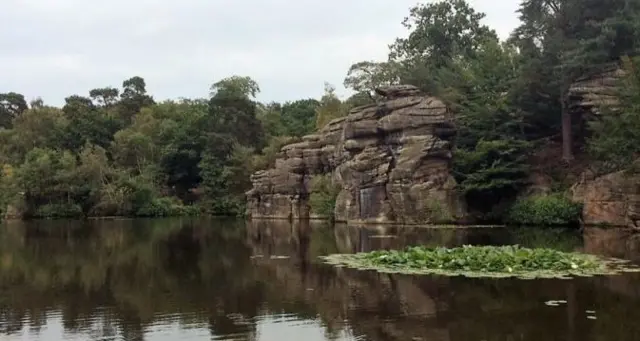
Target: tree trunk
pixel 567 139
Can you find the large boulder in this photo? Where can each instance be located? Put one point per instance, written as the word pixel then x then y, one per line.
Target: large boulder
pixel 391 161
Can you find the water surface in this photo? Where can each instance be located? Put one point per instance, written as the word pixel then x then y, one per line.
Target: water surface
pixel 205 279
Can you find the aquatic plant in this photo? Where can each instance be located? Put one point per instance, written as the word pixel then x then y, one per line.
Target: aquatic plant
pixel 483 261
pixel 545 210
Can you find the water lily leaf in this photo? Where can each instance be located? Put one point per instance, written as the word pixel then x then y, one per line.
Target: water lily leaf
pixel 484 261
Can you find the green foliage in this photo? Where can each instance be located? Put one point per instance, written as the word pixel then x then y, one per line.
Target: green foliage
pixel 299 117
pixel 491 172
pixel 121 153
pixel 225 181
pixel 165 207
pixel 441 32
pixel 330 107
pixel 365 77
pixel 118 151
pixel 616 133
pixel 545 210
pixel 12 105
pixel 481 261
pixel 267 158
pixel 482 258
pixel 324 192
pixel 55 211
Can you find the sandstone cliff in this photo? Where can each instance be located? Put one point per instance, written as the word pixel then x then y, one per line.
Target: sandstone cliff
pixel 391 161
pixel 610 199
pixel 589 93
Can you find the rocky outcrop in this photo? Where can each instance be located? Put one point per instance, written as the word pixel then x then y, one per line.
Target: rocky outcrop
pixel 590 92
pixel 391 161
pixel 612 199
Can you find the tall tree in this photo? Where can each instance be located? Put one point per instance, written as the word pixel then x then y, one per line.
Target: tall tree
pixel 365 77
pixel 133 97
pixel 232 111
pixel 105 96
pixel 571 38
pixel 12 104
pixel 440 32
pixel 330 107
pixel 298 117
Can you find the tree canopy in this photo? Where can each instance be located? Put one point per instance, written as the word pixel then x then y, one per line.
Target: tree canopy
pixel 119 151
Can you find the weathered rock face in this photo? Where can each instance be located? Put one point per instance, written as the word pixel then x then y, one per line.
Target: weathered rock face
pixel 589 93
pixel 391 161
pixel 612 199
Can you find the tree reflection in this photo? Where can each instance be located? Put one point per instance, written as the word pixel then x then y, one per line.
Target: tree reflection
pixel 120 278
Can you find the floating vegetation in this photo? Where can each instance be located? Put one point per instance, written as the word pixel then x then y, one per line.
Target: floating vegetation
pixel 484 261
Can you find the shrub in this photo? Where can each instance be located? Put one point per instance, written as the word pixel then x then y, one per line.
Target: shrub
pixel 165 207
pixel 57 211
pixel 323 196
pixel 492 172
pixel 226 206
pixel 545 210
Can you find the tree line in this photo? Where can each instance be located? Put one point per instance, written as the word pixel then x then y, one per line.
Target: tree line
pixel 117 151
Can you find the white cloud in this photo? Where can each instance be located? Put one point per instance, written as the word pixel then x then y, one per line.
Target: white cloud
pixel 57 48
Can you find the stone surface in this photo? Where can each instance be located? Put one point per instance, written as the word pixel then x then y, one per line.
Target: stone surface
pixel 587 94
pixel 391 160
pixel 612 199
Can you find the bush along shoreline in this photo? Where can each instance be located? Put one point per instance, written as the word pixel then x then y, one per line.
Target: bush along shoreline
pixel 483 261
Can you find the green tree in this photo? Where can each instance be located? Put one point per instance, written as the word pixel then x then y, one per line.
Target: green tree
pixel 440 32
pixel 270 116
pixel 616 133
pixel 365 77
pixel 106 97
pixel 38 127
pixel 87 124
pixel 12 104
pixel 298 117
pixel 233 111
pixel 330 107
pixel 566 39
pixel 133 97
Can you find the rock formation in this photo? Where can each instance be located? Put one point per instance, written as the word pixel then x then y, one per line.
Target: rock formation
pixel 612 199
pixel 587 94
pixel 391 161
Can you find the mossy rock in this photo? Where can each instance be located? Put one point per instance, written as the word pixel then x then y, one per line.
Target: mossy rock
pixel 484 261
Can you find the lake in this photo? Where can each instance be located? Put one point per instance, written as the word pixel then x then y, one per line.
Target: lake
pixel 209 279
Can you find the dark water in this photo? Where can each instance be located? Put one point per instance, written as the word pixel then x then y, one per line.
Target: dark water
pixel 200 280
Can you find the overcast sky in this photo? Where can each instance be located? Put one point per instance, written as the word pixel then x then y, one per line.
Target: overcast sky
pixel 54 48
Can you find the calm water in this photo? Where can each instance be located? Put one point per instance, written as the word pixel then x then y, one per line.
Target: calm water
pixel 217 280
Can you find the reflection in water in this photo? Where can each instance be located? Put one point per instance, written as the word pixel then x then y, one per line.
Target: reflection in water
pixel 220 280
